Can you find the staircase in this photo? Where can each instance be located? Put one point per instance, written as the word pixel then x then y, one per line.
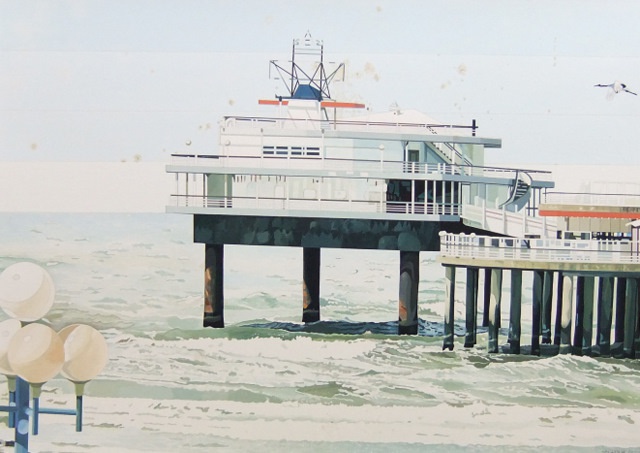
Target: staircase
pixel 519 194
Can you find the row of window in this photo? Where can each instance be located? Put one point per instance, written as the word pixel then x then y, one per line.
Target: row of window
pixel 284 151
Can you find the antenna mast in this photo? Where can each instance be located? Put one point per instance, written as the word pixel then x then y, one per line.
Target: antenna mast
pixel 307 78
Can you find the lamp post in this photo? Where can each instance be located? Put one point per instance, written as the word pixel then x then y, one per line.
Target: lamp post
pixel 32 353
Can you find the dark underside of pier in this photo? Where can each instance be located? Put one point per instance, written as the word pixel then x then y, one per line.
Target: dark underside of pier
pixel 319 232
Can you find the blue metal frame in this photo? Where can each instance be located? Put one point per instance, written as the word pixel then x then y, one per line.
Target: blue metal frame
pixel 19 412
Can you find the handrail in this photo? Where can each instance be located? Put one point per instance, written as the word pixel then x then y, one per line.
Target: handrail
pixel 267 119
pixel 593 199
pixel 555 250
pixel 325 164
pixel 315 205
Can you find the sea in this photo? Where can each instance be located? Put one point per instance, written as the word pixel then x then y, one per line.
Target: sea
pixel 266 382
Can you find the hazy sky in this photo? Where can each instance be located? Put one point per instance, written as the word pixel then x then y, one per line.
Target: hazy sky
pixel 127 79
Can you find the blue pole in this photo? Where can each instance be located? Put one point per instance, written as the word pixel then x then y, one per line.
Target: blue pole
pixel 78 413
pixel 36 416
pixel 11 380
pixel 22 416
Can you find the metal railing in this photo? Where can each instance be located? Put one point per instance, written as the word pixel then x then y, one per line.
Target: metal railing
pixel 335 124
pixel 314 205
pixel 543 250
pixel 502 221
pixel 349 165
pixel 593 199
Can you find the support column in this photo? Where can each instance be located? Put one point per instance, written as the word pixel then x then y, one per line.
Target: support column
pixel 310 284
pixel 630 318
pixel 567 305
pixel 449 295
pixel 486 297
pixel 213 286
pixel 557 331
pixel 547 300
pixel 587 326
pixel 584 316
pixel 536 304
pixel 605 310
pixel 471 307
pixel 408 297
pixel 515 311
pixel 621 291
pixel 577 332
pixel 494 308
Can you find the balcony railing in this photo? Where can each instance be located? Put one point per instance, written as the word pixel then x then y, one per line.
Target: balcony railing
pixel 542 250
pixel 318 164
pixel 593 199
pixel 315 207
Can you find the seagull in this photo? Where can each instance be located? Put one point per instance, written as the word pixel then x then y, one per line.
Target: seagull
pixel 615 88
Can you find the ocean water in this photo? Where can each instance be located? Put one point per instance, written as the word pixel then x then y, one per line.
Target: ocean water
pixel 268 383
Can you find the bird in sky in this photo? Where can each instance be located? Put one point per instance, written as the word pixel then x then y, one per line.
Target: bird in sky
pixel 615 88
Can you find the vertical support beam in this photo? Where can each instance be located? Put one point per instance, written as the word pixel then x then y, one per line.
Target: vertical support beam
pixel 213 286
pixel 605 311
pixel 22 416
pixel 621 292
pixel 567 314
pixel 587 325
pixel 547 300
pixel 494 308
pixel 310 284
pixel 471 307
pixel 630 318
pixel 557 331
pixel 515 311
pixel 449 294
pixel 486 297
pixel 536 304
pixel 577 332
pixel 408 296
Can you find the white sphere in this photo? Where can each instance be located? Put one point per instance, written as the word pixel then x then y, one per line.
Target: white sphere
pixel 8 328
pixel 36 353
pixel 85 351
pixel 26 291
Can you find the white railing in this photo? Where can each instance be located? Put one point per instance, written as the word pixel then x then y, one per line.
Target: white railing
pixel 592 199
pixel 351 165
pixel 501 221
pixel 544 250
pixel 336 124
pixel 313 163
pixel 315 206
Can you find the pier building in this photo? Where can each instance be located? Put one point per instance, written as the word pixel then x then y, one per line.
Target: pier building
pixel 320 173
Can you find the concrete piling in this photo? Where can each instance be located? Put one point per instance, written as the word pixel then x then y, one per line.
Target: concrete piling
pixel 536 307
pixel 566 310
pixel 494 308
pixel 547 299
pixel 471 307
pixel 605 311
pixel 515 312
pixel 310 284
pixel 408 294
pixel 630 317
pixel 449 298
pixel 213 286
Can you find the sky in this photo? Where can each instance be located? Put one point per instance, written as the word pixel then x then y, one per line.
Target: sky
pixel 135 80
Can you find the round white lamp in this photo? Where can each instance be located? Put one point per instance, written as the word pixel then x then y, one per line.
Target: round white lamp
pixel 8 328
pixel 86 354
pixel 36 353
pixel 26 291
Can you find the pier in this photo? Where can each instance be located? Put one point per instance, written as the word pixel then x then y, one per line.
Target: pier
pixel 320 173
pixel 590 285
